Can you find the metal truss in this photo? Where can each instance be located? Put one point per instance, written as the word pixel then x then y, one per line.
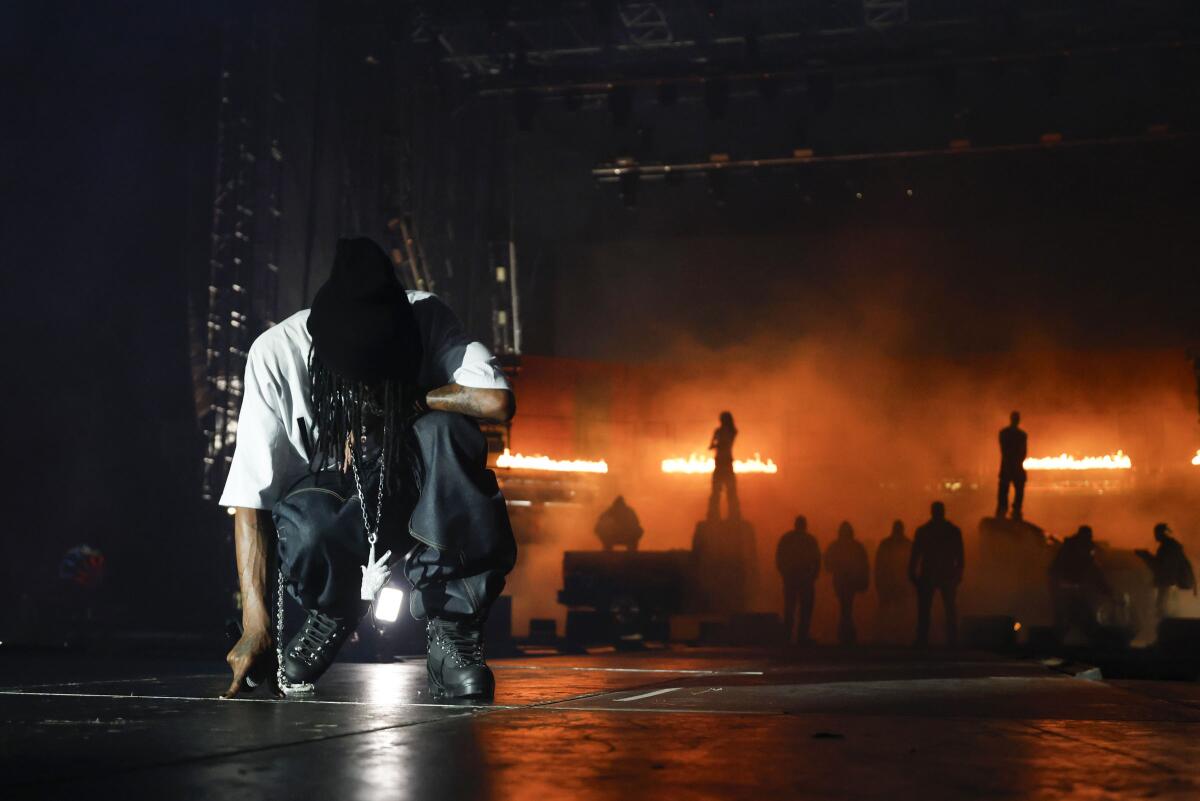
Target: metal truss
pixel 645 24
pixel 245 240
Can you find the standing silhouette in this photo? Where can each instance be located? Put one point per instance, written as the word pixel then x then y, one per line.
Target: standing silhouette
pixel 722 443
pixel 891 579
pixel 936 565
pixel 1014 446
pixel 1077 584
pixel 1170 566
pixel 798 559
pixel 846 559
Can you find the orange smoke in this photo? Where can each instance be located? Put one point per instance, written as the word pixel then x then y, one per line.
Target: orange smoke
pixel 519 461
pixel 695 463
pixel 1111 461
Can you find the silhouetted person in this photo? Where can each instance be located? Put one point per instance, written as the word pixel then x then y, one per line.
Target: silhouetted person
pixel 891 577
pixel 723 476
pixel 846 559
pixel 1077 584
pixel 798 559
pixel 936 565
pixel 618 525
pixel 1014 447
pixel 1170 566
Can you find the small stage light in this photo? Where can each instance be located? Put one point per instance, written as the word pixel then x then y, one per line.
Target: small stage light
pixel 387 605
pixel 230 510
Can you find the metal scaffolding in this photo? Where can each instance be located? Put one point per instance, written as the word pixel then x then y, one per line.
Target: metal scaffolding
pixel 245 239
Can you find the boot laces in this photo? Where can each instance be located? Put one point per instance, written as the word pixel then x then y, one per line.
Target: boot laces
pixel 318 632
pixel 463 644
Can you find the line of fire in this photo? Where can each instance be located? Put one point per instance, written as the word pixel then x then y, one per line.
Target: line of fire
pixel 619 433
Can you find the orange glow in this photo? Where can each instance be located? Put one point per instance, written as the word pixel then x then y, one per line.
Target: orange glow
pixel 1112 461
pixel 1196 458
pixel 518 461
pixel 696 463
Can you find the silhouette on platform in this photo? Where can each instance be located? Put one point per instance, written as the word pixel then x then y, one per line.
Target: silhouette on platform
pixel 798 559
pixel 618 525
pixel 846 560
pixel 1171 568
pixel 1077 585
pixel 1014 447
pixel 936 566
pixel 892 586
pixel 723 476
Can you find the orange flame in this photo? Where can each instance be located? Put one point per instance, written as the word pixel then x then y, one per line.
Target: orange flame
pixel 518 461
pixel 695 463
pixel 1111 461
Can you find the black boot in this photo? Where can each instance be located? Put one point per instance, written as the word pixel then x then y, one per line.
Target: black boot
pixel 455 663
pixel 316 644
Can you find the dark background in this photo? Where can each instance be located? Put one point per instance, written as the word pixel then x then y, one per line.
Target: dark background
pixel 109 136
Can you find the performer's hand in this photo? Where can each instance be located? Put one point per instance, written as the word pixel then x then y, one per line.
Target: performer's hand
pixel 254 645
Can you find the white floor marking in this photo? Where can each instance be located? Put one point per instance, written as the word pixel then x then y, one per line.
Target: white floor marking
pixel 132 697
pixel 549 706
pixel 650 694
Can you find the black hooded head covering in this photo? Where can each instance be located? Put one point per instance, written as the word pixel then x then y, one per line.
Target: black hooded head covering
pixel 361 322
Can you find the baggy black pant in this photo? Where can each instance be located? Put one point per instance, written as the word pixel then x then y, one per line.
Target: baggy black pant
pixel 449 525
pixel 925 590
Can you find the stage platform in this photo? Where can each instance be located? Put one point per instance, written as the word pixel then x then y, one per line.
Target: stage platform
pixel 670 724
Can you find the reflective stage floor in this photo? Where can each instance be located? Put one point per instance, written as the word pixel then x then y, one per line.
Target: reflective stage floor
pixel 671 724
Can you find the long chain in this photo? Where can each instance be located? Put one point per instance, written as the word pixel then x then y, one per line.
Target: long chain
pixel 283 683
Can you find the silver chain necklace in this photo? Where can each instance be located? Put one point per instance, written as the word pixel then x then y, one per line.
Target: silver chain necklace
pixel 372 533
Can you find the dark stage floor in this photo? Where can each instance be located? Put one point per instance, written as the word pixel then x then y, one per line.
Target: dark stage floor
pixel 675 724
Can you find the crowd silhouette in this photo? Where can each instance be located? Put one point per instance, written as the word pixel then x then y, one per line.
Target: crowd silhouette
pixel 928 565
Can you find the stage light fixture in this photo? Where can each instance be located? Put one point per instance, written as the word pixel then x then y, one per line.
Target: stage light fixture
pixel 388 604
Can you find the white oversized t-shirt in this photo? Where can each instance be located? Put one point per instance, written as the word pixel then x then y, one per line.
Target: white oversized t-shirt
pixel 269 456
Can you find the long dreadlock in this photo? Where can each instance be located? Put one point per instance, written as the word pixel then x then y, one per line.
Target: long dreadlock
pixel 342 407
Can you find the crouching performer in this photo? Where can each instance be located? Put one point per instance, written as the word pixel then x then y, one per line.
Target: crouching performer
pixel 357 451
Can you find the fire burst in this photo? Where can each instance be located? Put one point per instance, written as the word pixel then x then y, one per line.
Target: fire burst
pixel 706 464
pixel 1111 461
pixel 519 461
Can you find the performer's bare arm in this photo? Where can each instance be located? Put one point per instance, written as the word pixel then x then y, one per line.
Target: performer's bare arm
pixel 253 533
pixel 492 405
